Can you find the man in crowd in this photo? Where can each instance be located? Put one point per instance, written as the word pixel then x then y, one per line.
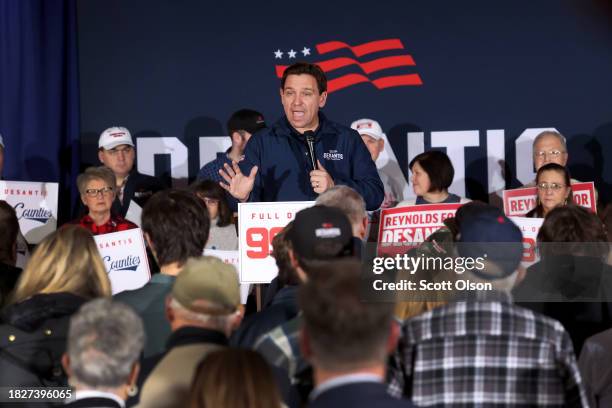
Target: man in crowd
pixel 203 310
pixel 278 165
pixel 240 127
pixel 104 344
pixel 116 151
pixel 319 234
pixel 351 204
pixel 485 350
pixel 175 225
pixel 346 339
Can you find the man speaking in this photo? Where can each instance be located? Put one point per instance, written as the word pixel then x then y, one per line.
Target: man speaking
pixel 303 154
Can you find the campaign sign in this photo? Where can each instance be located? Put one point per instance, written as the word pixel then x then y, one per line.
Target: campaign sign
pixel 520 201
pixel 125 259
pixel 36 207
pixel 529 228
pixel 258 223
pixel 403 228
pixel 232 258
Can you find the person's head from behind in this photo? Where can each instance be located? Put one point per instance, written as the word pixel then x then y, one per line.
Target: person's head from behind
pixel 9 229
pixel 432 172
pixel 342 332
pixel 176 226
pixel 97 189
pixel 215 200
pixel 572 230
pixel 303 92
pixel 487 236
pixel 319 234
pixel 105 340
pixel 554 188
pixel 65 261
pixel 205 294
pixel 372 135
pixel 281 245
pixel 234 378
pixel 350 203
pixel 549 147
pixel 242 125
pixel 116 150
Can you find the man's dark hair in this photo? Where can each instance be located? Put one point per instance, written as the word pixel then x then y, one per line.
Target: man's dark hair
pixel 177 224
pixel 305 68
pixel 9 228
pixel 345 332
pixel 211 189
pixel 438 167
pixel 281 245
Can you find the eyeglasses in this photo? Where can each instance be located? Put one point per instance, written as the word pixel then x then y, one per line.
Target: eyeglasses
pixel 93 192
pixel 552 153
pixel 551 186
pixel 211 200
pixel 115 151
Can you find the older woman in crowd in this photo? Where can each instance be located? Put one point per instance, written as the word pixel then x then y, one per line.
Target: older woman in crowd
pixel 104 343
pixel 432 175
pixel 553 182
pixel 64 272
pixel 97 188
pixel 222 233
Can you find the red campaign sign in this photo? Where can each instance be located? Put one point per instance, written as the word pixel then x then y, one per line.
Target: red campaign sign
pixel 403 228
pixel 520 201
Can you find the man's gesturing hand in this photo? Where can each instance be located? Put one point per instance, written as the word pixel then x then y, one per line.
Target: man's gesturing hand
pixel 320 179
pixel 237 184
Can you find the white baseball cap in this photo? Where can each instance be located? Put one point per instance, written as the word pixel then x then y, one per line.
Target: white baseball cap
pixel 368 127
pixel 115 136
pixel 1 142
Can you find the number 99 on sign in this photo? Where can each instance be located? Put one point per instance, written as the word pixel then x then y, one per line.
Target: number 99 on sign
pixel 259 241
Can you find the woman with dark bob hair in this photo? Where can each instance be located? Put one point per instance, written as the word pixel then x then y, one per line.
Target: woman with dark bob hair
pixel 553 182
pixel 222 234
pixel 432 175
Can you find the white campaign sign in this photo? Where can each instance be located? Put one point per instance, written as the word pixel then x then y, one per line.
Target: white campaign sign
pixel 258 223
pixel 125 259
pixel 232 258
pixel 36 207
pixel 529 228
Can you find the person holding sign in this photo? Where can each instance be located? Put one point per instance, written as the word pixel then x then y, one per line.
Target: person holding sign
pixel 303 154
pixel 554 189
pixel 432 175
pixel 97 188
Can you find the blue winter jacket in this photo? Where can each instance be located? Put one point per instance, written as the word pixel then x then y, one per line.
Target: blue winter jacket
pixel 284 164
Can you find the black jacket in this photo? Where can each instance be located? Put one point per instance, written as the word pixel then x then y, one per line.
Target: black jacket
pixel 33 339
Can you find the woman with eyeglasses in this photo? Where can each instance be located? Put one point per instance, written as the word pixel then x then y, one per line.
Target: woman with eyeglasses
pixel 222 233
pixel 97 188
pixel 554 189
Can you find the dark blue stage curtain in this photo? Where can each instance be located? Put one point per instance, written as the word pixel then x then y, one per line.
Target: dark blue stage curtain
pixel 39 100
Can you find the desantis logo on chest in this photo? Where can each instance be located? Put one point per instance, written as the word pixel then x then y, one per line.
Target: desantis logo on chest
pixel 130 263
pixel 35 214
pixel 333 155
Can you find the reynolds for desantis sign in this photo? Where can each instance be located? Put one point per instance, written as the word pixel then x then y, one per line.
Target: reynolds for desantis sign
pixel 125 259
pixel 519 201
pixel 36 207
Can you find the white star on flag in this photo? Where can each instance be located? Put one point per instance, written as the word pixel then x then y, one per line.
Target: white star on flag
pixel 306 51
pixel 292 53
pixel 278 54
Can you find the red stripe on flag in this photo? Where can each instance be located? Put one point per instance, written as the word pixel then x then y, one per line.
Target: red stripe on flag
pixel 345 81
pixel 397 80
pixel 361 49
pixel 367 67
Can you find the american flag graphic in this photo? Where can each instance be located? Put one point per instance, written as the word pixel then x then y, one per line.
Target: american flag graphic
pixel 365 69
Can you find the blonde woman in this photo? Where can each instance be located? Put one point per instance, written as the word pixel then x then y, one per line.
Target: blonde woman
pixel 63 273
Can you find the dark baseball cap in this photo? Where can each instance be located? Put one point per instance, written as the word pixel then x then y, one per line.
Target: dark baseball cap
pixel 493 236
pixel 321 233
pixel 245 119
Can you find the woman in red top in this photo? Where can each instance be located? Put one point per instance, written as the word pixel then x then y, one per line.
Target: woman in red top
pixel 97 188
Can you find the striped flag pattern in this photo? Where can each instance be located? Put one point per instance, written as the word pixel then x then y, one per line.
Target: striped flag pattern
pixel 364 68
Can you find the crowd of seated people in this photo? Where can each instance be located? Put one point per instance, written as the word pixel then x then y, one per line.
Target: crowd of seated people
pixel 184 340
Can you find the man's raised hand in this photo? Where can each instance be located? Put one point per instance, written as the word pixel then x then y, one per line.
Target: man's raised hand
pixel 236 183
